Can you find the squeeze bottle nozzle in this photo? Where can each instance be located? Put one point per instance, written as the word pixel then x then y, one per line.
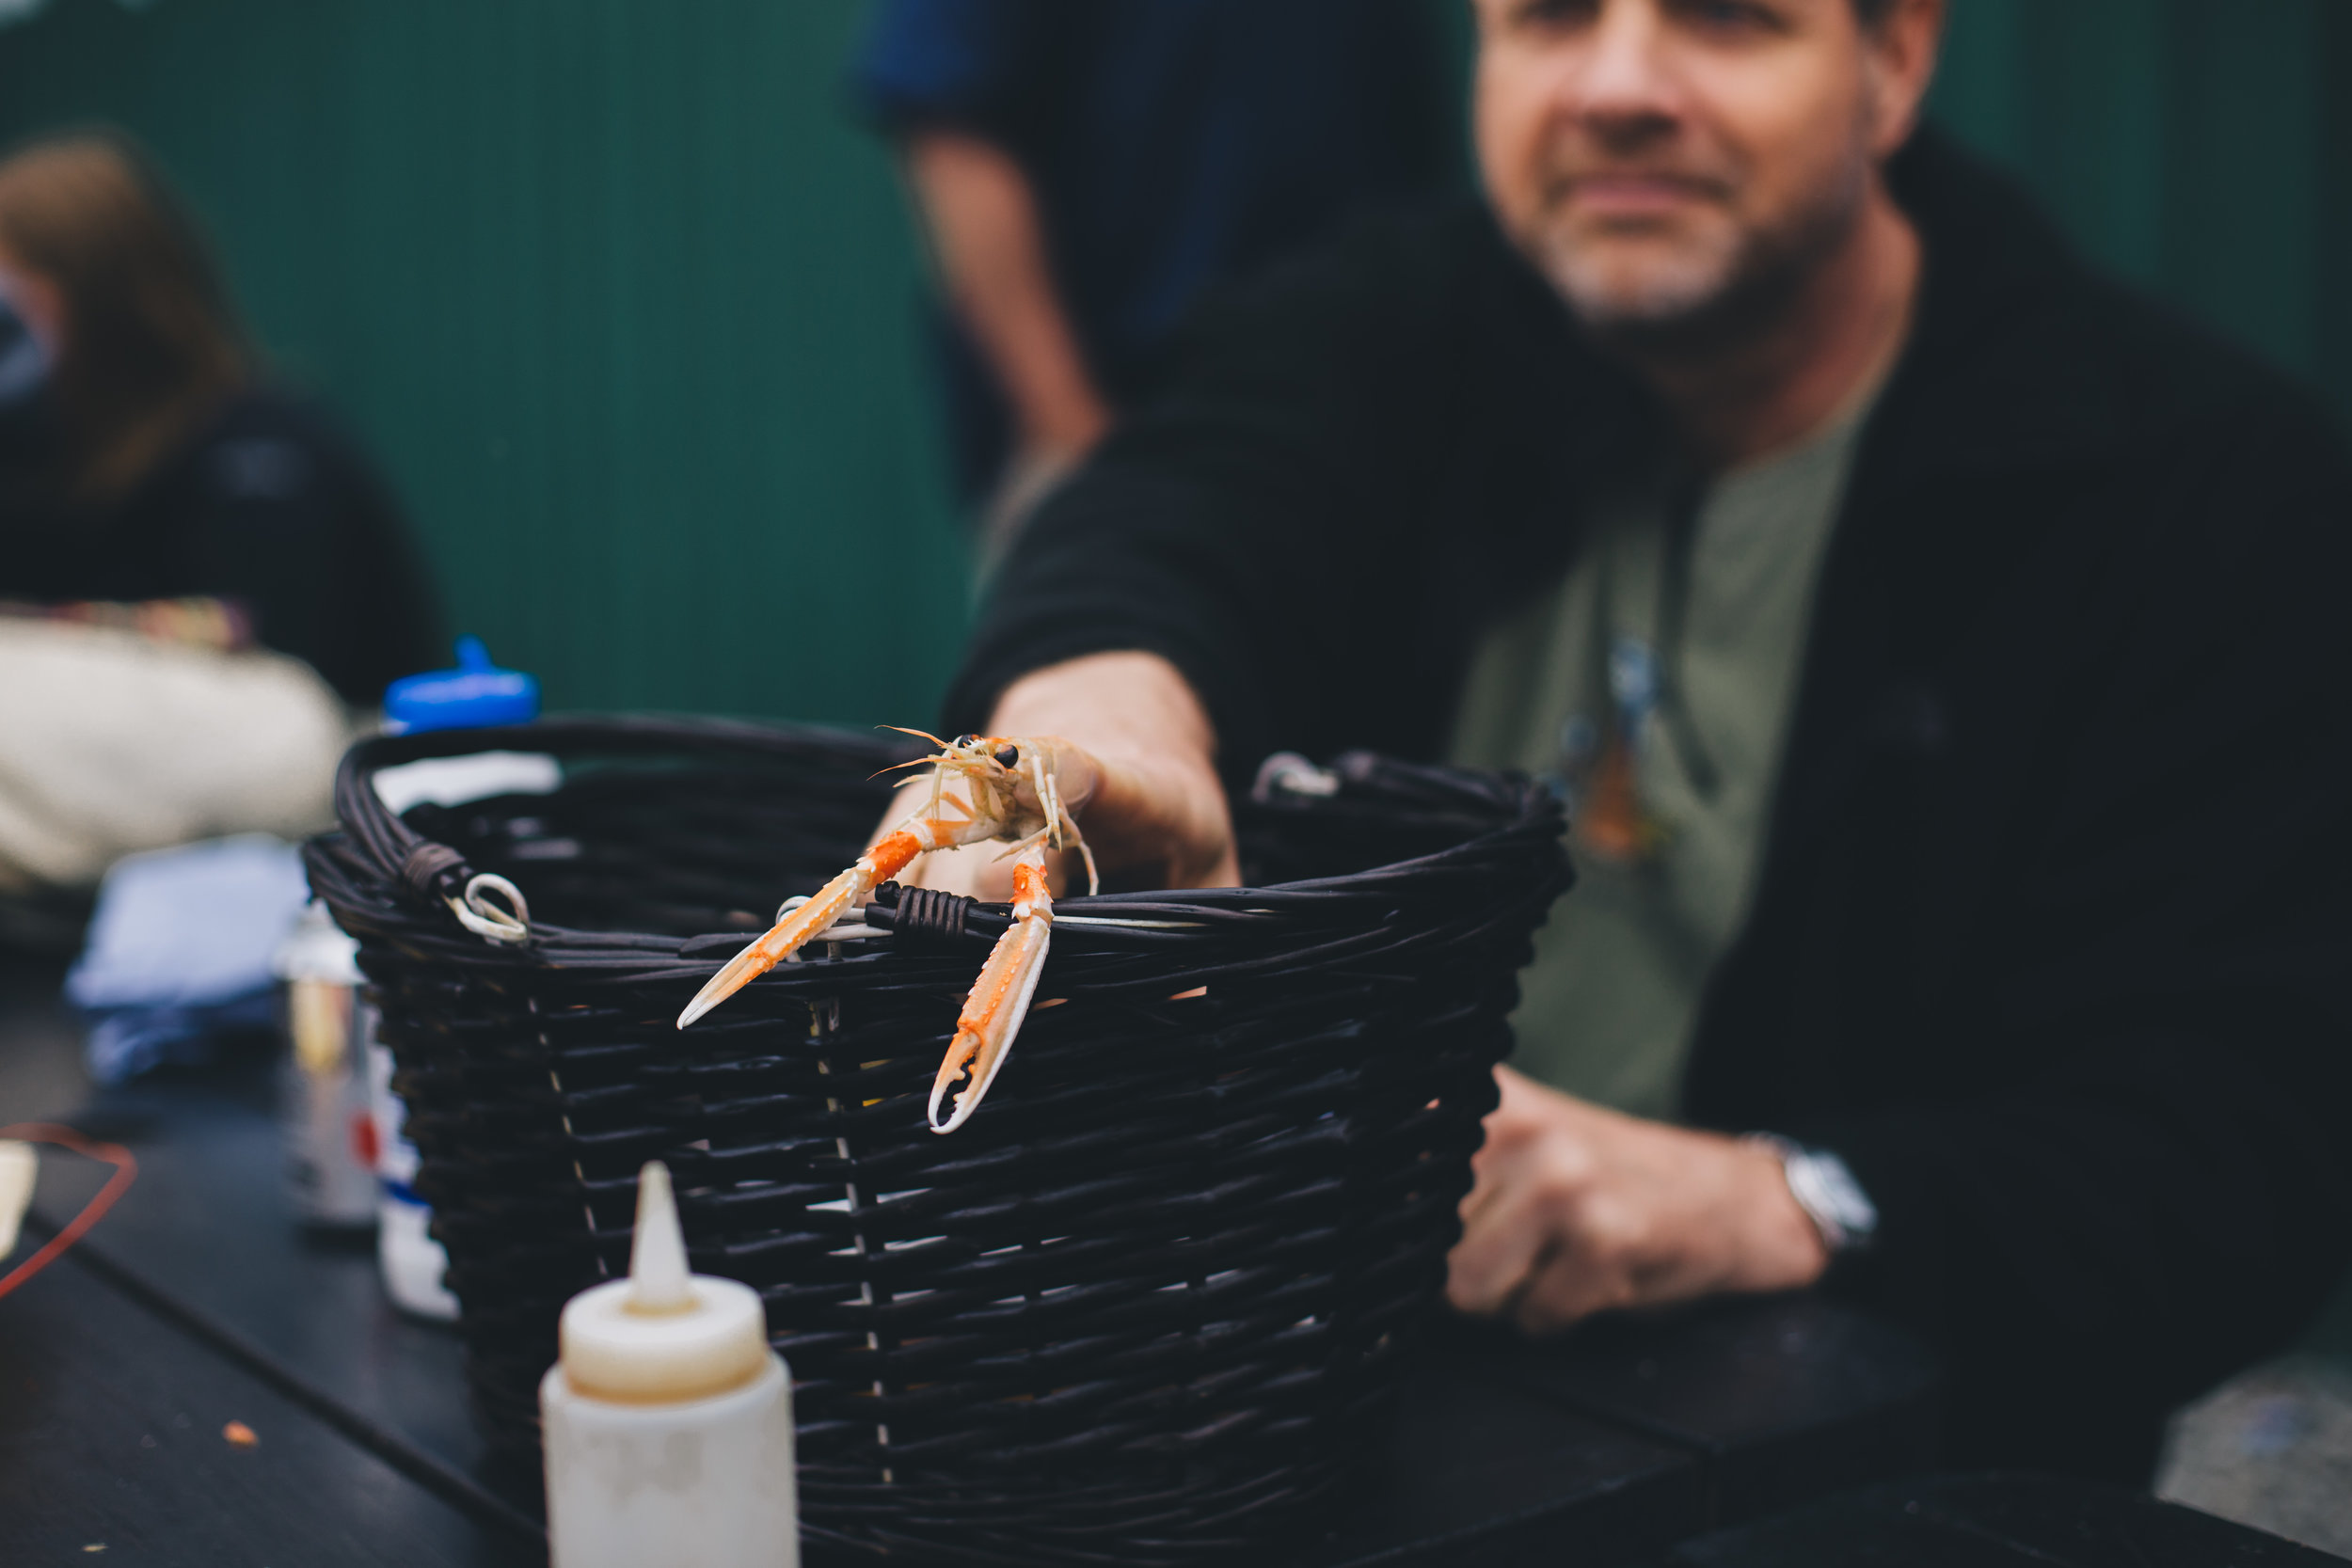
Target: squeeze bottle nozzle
pixel 657 1254
pixel 662 1335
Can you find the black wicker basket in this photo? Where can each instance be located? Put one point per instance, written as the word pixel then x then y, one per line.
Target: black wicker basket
pixel 1147 1305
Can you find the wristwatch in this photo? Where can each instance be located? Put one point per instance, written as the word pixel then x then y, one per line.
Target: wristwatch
pixel 1842 1214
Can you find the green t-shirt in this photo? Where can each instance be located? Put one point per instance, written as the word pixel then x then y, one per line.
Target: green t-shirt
pixel 1659 707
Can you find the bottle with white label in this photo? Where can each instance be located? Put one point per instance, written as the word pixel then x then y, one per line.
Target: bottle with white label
pixel 474 694
pixel 412 1263
pixel 330 1174
pixel 668 1419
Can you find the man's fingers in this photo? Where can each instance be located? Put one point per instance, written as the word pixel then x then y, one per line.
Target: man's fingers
pixel 1566 1287
pixel 1526 1265
pixel 1498 1249
pixel 1485 1190
pixel 1516 1089
pixel 1543 1243
pixel 1578 1209
pixel 1162 812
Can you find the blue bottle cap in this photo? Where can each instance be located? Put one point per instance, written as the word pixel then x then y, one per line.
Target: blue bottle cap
pixel 474 695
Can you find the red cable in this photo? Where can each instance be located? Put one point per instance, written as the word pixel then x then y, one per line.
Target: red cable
pixel 126 1172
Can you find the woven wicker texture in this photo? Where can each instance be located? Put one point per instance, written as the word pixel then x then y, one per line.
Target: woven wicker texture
pixel 1147 1306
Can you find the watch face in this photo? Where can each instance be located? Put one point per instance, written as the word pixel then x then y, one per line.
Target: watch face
pixel 1824 1187
pixel 1827 1190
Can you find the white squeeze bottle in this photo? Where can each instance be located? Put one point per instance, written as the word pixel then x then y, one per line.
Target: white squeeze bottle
pixel 668 1419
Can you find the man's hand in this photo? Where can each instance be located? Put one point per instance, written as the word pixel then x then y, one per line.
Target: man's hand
pixel 1150 802
pixel 1578 1209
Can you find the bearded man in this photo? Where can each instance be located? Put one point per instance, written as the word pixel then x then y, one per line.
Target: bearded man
pixel 1937 646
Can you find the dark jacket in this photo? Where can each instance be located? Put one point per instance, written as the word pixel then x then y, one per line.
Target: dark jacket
pixel 2050 936
pixel 268 505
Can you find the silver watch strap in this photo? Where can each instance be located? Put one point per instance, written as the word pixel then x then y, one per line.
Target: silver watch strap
pixel 1824 1186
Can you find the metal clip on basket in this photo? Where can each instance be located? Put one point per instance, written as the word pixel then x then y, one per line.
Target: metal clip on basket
pixel 1147 1306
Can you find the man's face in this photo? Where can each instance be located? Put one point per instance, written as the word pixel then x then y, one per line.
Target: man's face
pixel 1674 167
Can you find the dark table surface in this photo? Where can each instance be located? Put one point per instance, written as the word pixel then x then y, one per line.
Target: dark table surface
pixel 1993 1522
pixel 197 1302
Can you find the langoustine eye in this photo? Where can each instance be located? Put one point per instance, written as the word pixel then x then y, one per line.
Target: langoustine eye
pixel 1009 758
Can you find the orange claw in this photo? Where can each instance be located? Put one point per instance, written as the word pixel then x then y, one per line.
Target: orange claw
pixel 787 936
pixel 999 1001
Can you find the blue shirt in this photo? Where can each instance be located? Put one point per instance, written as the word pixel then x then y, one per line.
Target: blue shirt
pixel 1174 143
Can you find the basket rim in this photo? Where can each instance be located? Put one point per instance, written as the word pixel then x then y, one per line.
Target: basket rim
pixel 377 845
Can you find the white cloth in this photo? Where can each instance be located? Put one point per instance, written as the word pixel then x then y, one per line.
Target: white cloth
pixel 111 743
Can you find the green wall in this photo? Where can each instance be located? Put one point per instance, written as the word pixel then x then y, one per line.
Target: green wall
pixel 613 289
pixel 2200 147
pixel 623 300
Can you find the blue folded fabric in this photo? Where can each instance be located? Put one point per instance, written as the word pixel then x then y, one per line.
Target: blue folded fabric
pixel 180 950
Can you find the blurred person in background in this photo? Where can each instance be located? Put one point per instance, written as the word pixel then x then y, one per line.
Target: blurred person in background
pixel 1940 647
pixel 1086 168
pixel 201 581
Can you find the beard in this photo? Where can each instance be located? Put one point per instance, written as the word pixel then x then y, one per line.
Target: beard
pixel 1712 290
